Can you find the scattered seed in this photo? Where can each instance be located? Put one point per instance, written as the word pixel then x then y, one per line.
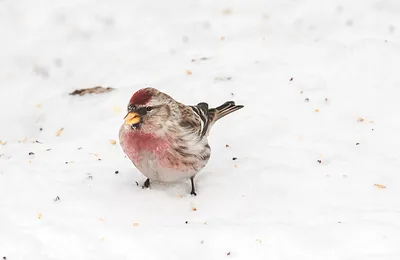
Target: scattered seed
pixel 234 158
pixel 360 119
pixel 380 186
pixel 135 224
pixel 49 149
pixel 202 242
pixel 227 145
pixel 188 72
pixel 186 222
pixel 291 79
pixel 137 183
pixel 340 222
pixel 60 131
pixel 40 216
pixel 202 58
pixel 113 142
pixel 316 110
pixel 222 78
pixel 194 209
pixel 319 161
pixel 306 100
pixel 4 258
pixel 116 172
pixel 41 129
pixel 357 143
pixel 57 198
pixel 31 153
pixel 228 254
pixel 235 165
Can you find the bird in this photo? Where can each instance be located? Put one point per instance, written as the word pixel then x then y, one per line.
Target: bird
pixel 167 141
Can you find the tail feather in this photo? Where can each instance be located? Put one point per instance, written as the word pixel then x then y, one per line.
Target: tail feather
pixel 223 110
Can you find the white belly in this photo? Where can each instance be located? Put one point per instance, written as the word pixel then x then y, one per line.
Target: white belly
pixel 150 167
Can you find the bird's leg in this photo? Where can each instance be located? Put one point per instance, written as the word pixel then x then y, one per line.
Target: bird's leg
pixel 146 183
pixel 193 192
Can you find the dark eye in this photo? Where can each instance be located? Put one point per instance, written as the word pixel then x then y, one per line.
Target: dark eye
pixel 149 108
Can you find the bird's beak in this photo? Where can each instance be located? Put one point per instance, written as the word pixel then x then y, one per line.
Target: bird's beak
pixel 132 118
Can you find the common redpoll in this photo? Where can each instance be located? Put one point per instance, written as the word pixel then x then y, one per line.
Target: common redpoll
pixel 167 140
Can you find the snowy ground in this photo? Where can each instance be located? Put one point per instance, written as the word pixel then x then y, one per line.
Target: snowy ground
pixel 313 180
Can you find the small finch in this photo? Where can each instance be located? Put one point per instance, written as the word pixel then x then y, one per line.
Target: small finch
pixel 167 140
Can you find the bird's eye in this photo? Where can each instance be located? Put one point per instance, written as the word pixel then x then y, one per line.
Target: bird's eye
pixel 149 108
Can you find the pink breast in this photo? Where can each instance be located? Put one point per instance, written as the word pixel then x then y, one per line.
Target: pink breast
pixel 136 144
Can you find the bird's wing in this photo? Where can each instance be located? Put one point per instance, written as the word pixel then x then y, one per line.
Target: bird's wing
pixel 201 109
pixel 204 118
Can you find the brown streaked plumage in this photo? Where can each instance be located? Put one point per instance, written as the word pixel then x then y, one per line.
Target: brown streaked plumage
pixel 167 140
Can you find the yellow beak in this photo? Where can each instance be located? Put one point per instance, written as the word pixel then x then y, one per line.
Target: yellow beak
pixel 132 118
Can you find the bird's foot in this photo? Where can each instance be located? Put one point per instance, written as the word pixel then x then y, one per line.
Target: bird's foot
pixel 146 184
pixel 193 192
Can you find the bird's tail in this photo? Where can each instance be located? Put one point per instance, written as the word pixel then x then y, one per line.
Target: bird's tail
pixel 223 110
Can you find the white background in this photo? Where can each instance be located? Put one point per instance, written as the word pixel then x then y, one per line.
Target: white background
pixel 276 201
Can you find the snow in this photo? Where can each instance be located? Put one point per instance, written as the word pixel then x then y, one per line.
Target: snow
pixel 301 188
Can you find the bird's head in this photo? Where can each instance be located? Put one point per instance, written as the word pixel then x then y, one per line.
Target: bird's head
pixel 148 109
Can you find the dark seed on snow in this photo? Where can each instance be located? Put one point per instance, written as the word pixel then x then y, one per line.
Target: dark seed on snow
pixel 137 183
pixel 319 161
pixel 229 253
pixel 291 79
pixel 57 198
pixel 186 222
pixel 306 100
pixel 357 143
pixel 41 129
pixel 234 158
pixel 116 172
pixel 30 153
